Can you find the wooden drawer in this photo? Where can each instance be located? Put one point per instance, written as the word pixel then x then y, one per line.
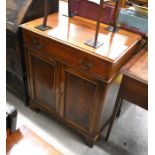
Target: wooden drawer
pixel 68 56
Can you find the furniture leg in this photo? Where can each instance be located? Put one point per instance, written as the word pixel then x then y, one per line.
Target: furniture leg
pixel 117 105
pixel 89 142
pixel 37 110
pixel 119 110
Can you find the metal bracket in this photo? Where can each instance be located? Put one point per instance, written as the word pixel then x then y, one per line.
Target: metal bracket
pixel 112 29
pixel 91 43
pixel 43 27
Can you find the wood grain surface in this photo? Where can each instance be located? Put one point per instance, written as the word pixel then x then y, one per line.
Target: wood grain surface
pixel 25 142
pixel 138 66
pixel 77 30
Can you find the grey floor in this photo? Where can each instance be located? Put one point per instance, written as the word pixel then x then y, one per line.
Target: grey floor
pixel 128 137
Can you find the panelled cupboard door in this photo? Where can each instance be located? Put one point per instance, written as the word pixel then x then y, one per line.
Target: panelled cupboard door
pixel 42 81
pixel 80 96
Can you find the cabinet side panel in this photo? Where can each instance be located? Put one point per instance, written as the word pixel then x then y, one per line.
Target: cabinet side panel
pixel 109 101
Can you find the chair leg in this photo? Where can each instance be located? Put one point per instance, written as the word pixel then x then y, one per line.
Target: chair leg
pixel 117 105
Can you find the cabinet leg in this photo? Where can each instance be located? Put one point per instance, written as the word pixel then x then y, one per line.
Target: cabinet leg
pixel 117 106
pixel 26 101
pixel 89 142
pixel 37 110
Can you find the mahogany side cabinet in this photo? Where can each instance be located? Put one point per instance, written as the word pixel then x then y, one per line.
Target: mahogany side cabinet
pixel 70 80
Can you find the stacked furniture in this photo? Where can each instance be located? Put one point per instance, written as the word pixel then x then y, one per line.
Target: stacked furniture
pixel 89 9
pixel 17 12
pixel 129 18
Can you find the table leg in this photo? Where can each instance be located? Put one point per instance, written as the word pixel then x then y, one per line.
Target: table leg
pixel 116 108
pixel 119 110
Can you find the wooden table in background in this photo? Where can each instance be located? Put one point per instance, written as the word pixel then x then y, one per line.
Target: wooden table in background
pixel 135 80
pixel 26 142
pixel 134 85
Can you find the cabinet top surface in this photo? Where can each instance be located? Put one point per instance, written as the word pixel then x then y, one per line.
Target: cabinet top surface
pixel 77 30
pixel 137 67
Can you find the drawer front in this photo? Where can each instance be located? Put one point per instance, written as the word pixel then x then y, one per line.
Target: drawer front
pixel 68 55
